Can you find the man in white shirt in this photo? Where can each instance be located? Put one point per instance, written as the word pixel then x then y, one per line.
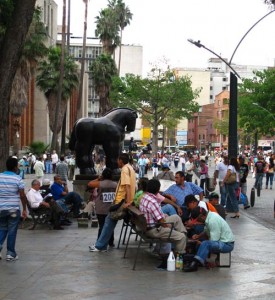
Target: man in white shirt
pixel 54 160
pixel 189 169
pixel 37 202
pixel 220 172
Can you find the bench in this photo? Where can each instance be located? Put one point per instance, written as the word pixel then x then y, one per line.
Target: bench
pixel 138 226
pixel 41 216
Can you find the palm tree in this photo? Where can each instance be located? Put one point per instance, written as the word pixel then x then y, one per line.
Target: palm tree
pixel 124 16
pixel 107 29
pixel 48 82
pixel 103 69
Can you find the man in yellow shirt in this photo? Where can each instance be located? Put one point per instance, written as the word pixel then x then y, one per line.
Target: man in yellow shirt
pixel 125 191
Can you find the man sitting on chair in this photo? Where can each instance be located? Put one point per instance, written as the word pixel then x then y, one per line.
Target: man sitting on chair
pixel 47 204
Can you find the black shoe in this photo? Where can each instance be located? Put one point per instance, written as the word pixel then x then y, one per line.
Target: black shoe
pixel 193 267
pixel 162 266
pixel 58 228
pixel 247 206
pixel 64 223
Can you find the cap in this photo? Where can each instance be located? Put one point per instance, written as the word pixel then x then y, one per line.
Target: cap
pixel 214 195
pixel 165 166
pixel 24 156
pixel 46 181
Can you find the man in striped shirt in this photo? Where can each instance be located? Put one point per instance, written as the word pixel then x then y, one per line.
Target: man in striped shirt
pixel 11 192
pixel 150 206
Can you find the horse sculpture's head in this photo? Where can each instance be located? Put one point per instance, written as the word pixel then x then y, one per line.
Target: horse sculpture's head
pixel 131 121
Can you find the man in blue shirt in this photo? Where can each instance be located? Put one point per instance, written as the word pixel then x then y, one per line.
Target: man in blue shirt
pixel 182 189
pixel 11 193
pixel 59 190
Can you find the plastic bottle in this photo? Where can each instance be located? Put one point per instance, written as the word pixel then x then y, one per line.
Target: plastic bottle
pixel 171 262
pixel 178 262
pixel 181 262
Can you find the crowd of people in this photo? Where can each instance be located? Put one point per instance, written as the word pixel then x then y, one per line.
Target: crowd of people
pixel 183 203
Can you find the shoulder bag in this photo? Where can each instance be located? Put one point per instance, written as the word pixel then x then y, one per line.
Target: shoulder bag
pixel 232 178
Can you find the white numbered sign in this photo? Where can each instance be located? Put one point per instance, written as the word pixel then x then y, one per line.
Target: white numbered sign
pixel 108 197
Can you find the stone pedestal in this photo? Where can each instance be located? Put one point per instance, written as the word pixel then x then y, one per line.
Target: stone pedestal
pixel 80 185
pixel 81 181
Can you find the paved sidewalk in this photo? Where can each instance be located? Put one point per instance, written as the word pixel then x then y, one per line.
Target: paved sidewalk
pixel 58 265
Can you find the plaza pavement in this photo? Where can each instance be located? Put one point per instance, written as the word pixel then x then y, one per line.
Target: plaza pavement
pixel 57 265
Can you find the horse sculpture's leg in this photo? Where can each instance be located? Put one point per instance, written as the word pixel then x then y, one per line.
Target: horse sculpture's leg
pixel 112 150
pixel 84 158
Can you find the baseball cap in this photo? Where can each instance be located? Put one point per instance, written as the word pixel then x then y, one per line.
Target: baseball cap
pixel 46 181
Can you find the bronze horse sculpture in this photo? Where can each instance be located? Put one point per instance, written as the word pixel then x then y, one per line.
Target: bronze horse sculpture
pixel 108 131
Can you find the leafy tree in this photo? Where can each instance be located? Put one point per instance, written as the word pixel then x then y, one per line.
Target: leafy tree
pixel 157 98
pixel 48 81
pixel 102 70
pixel 257 103
pixel 14 24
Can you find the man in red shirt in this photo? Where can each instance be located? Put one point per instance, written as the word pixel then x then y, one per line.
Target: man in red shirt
pixel 150 206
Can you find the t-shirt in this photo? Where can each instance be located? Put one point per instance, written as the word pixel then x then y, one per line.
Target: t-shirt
pixel 10 184
pixel 57 190
pixel 222 168
pixel 127 177
pixel 260 165
pixel 243 172
pixel 105 196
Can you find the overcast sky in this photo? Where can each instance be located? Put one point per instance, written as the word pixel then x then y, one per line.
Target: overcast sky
pixel 162 27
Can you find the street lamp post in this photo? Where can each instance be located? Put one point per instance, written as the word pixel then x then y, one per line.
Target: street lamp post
pixel 233 135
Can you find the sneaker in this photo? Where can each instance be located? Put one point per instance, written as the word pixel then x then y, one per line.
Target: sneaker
pixel 11 258
pixel 94 249
pixel 247 206
pixel 162 266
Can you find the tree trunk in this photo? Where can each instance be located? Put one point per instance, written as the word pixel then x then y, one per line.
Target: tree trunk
pixel 60 84
pixel 119 56
pixel 10 53
pixel 80 93
pixel 155 132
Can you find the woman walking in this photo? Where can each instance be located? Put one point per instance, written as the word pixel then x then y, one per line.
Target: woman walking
pixel 232 183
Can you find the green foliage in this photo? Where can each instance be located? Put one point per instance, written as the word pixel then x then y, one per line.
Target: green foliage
pixel 34 46
pixel 38 148
pixel 102 70
pixel 112 20
pixel 159 98
pixel 107 29
pixel 259 90
pixel 49 72
pixel 222 126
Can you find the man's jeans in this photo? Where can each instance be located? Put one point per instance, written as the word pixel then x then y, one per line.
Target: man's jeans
pixel 9 220
pixel 48 167
pixel 207 247
pixel 232 204
pixel 223 194
pixel 141 171
pixel 169 209
pixel 106 233
pixel 259 179
pixel 74 199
